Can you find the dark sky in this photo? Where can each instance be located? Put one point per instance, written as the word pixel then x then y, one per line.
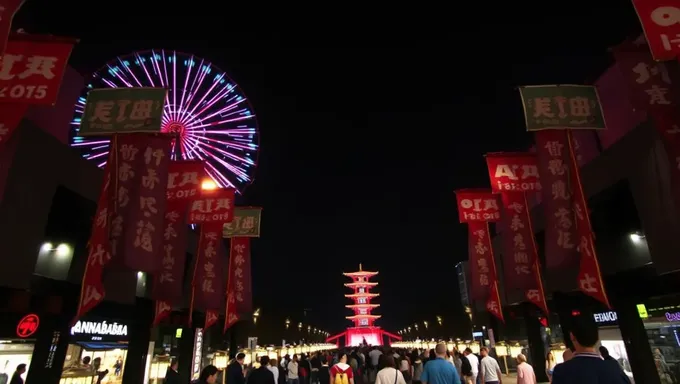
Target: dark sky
pixel 369 120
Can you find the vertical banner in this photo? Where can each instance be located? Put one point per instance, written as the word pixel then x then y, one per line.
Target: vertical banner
pixel 99 249
pixel 208 272
pixel 8 8
pixel 660 21
pixel 239 288
pixel 184 183
pixel 211 317
pixel 211 210
pixel 477 208
pixel 553 111
pixel 513 175
pixel 143 236
pixel 589 276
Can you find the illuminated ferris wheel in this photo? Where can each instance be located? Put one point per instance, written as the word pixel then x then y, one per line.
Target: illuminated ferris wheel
pixel 204 107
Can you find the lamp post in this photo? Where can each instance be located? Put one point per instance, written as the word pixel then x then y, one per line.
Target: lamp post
pixel 256 315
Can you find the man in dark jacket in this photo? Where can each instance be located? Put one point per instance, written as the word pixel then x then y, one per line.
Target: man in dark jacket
pixel 171 375
pixel 262 375
pixel 235 370
pixel 586 366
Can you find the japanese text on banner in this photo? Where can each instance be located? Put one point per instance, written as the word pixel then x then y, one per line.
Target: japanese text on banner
pixel 99 249
pixel 239 293
pixel 216 207
pixel 168 281
pixel 516 172
pixel 184 180
pixel 661 22
pixel 478 205
pixel 246 223
pixel 519 249
pixel 589 276
pixel 32 68
pixel 208 273
pixel 554 168
pixel 562 107
pixel 144 233
pixel 123 110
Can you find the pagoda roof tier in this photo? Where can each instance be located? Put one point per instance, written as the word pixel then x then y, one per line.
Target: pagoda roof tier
pixel 360 273
pixel 357 295
pixel 353 306
pixel 361 284
pixel 355 317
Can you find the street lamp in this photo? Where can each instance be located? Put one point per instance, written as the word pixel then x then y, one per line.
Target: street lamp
pixel 287 323
pixel 425 324
pixel 256 314
pixel 439 320
pixel 300 327
pixel 208 185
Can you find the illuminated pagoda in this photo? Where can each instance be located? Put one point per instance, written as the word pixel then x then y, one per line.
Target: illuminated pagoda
pixel 364 330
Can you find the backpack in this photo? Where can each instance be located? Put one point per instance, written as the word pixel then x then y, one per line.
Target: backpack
pixel 341 378
pixel 465 367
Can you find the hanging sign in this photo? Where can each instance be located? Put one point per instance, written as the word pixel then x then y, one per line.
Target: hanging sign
pixel 28 325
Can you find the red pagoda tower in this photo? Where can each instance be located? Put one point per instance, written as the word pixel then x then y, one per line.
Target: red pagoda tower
pixel 364 330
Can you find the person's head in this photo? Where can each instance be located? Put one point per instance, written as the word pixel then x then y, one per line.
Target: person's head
pixel 86 360
pixel 549 357
pixel 566 355
pixel 521 359
pixel 21 368
pixel 323 360
pixel 386 361
pixel 432 355
pixel 484 351
pixel 209 374
pixel 343 357
pixel 440 350
pixel 96 363
pixel 584 333
pixel 241 357
pixel 604 352
pixel 264 360
pixel 273 362
pixel 295 358
pixel 174 363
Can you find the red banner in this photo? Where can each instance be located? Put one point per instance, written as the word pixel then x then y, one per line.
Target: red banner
pixel 650 82
pixel 211 317
pixel 184 180
pixel 661 22
pixel 513 172
pixel 585 146
pixel 478 206
pixel 10 118
pixel 32 69
pixel 145 202
pixel 8 8
pixel 208 281
pixel 99 250
pixel 184 183
pixel 554 161
pixel 239 290
pixel 162 311
pixel 168 280
pixel 515 175
pixel 484 284
pixel 214 207
pixel 589 276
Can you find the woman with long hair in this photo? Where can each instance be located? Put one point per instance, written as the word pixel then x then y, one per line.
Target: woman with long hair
pixel 550 365
pixel 389 374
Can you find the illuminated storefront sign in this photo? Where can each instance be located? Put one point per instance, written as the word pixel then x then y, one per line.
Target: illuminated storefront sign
pixel 605 317
pixel 673 316
pixel 28 325
pixel 198 353
pixel 99 331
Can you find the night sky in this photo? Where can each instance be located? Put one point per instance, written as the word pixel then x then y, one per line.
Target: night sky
pixel 368 123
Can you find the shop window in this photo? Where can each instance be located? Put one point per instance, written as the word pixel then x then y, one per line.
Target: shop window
pixel 13 353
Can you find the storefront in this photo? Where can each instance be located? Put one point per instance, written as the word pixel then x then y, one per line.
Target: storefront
pixel 610 338
pixel 17 343
pixel 97 347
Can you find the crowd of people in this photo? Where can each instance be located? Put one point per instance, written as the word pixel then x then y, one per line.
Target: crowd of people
pixel 383 365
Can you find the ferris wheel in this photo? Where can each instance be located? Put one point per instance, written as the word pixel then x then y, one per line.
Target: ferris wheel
pixel 208 112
